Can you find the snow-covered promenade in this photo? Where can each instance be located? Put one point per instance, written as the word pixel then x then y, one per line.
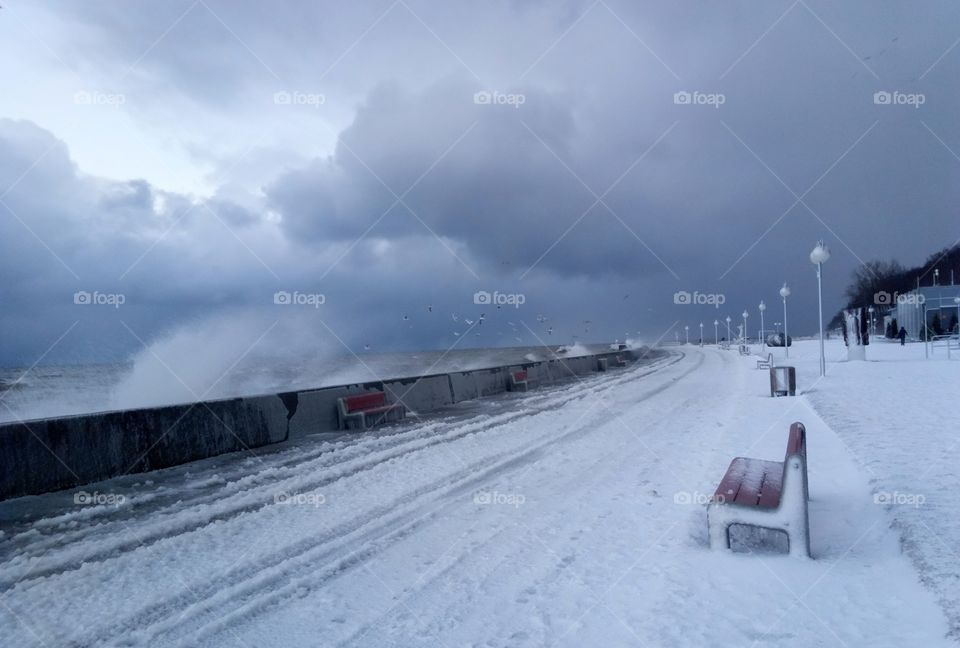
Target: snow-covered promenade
pixel 569 516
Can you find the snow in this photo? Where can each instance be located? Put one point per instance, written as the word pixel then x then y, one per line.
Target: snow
pixel 895 413
pixel 567 516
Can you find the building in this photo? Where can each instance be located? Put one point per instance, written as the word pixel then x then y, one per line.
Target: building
pixel 938 306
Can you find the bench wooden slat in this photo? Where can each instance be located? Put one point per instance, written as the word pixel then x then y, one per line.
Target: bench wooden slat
pixel 751 482
pixel 365 402
pixel 772 488
pixel 729 486
pixel 797 441
pixel 751 478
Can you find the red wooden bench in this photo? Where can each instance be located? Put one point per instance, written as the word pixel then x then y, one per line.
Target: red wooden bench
pixel 767 494
pixel 356 409
pixel 620 361
pixel 518 381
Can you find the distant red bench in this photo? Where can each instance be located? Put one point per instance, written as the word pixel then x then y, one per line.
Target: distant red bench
pixel 620 361
pixel 358 408
pixel 518 381
pixel 767 494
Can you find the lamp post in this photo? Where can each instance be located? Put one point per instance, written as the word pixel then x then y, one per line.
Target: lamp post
pixel 716 323
pixel 745 316
pixel 785 292
pixel 818 256
pixel 676 337
pixel 873 327
pixel 728 328
pixel 763 341
pixel 686 330
pixel 701 335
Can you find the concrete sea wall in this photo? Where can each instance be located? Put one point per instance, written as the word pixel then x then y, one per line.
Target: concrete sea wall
pixel 43 455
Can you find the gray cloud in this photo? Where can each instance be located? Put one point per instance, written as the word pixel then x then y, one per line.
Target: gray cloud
pixel 699 201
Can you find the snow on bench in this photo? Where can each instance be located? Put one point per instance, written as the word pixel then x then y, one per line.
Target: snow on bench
pixel 765 364
pixel 766 494
pixel 351 409
pixel 518 381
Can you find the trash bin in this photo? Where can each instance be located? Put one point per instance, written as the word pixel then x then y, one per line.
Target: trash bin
pixel 783 381
pixel 601 364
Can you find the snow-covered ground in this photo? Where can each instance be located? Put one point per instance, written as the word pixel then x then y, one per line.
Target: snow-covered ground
pixel 897 415
pixel 569 516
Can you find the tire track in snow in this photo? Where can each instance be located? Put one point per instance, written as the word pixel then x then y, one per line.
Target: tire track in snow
pixel 259 496
pixel 275 577
pixel 490 553
pixel 551 401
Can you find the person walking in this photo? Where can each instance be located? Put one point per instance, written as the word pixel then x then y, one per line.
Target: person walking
pixel 902 335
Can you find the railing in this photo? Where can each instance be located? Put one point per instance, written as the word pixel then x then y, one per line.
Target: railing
pixel 950 342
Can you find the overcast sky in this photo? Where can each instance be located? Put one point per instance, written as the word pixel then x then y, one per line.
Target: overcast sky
pixel 196 157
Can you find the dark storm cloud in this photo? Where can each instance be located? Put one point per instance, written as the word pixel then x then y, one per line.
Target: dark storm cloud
pixel 478 174
pixel 694 197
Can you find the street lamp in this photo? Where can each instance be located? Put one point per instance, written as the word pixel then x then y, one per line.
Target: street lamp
pixel 785 292
pixel 745 316
pixel 763 340
pixel 873 327
pixel 728 328
pixel 716 323
pixel 687 331
pixel 818 256
pixel 701 335
pixel 956 300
